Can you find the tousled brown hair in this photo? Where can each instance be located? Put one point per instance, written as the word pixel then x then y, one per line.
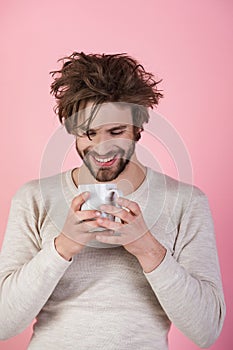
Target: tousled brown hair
pixel 103 78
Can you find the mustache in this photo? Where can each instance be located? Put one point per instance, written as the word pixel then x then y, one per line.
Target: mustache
pixel 111 154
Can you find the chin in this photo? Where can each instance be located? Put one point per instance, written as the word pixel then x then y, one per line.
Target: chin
pixel 104 175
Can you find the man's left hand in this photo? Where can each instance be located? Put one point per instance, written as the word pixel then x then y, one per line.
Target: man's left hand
pixel 132 232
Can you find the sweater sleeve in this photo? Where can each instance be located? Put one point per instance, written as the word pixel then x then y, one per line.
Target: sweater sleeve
pixel 28 272
pixel 189 287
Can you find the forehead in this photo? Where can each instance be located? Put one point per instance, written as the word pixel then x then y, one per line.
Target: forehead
pixel 108 113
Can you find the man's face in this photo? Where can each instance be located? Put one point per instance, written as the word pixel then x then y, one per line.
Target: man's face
pixel 112 142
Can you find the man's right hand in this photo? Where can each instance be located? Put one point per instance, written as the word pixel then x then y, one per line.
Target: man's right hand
pixel 75 235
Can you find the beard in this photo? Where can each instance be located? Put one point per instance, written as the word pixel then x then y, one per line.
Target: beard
pixel 104 174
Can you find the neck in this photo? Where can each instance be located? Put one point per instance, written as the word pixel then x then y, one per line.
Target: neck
pixel 128 181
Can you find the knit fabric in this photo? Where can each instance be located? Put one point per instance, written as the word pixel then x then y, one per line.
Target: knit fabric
pixel 102 298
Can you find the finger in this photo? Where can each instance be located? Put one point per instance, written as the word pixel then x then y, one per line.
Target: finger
pixel 82 232
pixel 76 227
pixel 87 215
pixel 122 239
pixel 86 226
pixel 79 200
pixel 88 236
pixel 111 225
pixel 132 206
pixel 121 213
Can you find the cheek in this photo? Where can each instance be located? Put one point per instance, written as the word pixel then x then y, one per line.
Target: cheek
pixel 81 144
pixel 124 143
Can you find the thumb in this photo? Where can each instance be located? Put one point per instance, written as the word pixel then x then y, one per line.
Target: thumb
pixel 79 200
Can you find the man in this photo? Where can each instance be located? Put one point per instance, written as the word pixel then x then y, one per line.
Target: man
pixel 119 288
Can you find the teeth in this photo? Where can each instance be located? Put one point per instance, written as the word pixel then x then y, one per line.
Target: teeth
pixel 105 160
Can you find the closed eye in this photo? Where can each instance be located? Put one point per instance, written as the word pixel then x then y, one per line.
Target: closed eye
pixel 113 131
pixel 116 132
pixel 88 133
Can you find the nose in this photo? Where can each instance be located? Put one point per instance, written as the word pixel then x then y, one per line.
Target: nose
pixel 102 143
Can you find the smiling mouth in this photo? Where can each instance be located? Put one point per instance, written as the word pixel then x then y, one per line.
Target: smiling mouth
pixel 105 162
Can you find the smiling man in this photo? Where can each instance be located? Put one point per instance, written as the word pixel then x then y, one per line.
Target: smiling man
pixel 106 148
pixel 155 264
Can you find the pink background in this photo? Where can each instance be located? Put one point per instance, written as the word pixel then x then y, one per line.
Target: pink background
pixel 187 43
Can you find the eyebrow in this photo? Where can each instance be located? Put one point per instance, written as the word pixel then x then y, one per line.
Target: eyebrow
pixel 118 127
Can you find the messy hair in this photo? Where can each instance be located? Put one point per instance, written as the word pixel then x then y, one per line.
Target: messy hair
pixel 103 78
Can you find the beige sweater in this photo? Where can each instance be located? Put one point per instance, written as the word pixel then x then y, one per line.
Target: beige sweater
pixel 102 299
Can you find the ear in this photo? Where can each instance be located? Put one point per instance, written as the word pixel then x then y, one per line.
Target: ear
pixel 138 133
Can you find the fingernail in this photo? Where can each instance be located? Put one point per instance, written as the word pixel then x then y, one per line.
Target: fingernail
pixel 97 213
pixel 85 194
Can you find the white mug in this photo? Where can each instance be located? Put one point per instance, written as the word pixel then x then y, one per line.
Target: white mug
pixel 100 194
